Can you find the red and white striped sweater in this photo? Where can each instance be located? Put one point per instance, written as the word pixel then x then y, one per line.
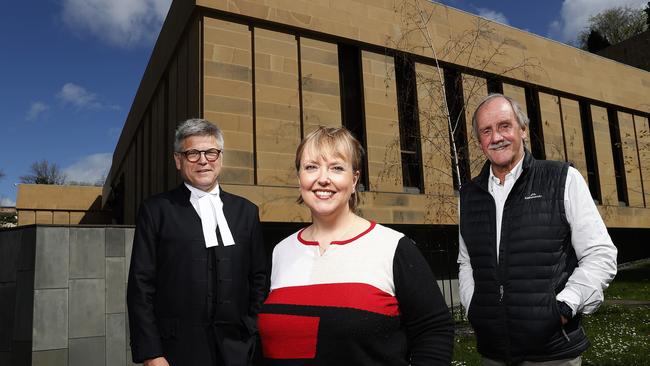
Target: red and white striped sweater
pixel 369 300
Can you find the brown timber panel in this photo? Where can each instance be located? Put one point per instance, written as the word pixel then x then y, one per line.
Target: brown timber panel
pixel 172 121
pixel 26 217
pixel 630 159
pixel 194 45
pixel 517 93
pixel 549 106
pixel 162 150
pixel 604 154
pixel 146 155
pixel 575 146
pixel 277 107
pixel 228 95
pixel 130 181
pixel 44 217
pixel 61 218
pixel 321 98
pixel 643 143
pixel 139 164
pixel 181 96
pixel 474 89
pixel 382 126
pixel 157 155
pixel 436 152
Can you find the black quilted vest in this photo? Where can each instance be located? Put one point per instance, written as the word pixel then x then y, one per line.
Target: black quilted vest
pixel 513 309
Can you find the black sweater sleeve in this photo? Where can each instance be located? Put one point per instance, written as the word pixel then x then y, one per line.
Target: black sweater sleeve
pixel 424 313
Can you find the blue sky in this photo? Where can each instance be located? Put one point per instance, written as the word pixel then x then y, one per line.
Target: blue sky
pixel 69 70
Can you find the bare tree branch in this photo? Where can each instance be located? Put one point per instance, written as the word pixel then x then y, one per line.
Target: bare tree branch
pixel 479 48
pixel 42 172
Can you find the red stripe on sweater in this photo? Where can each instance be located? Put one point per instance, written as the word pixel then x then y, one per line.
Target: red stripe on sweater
pixel 359 296
pixel 288 336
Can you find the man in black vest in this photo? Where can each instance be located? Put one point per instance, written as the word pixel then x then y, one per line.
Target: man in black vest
pixel 534 252
pixel 198 270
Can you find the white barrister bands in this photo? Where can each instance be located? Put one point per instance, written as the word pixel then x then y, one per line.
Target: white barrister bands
pixel 210 208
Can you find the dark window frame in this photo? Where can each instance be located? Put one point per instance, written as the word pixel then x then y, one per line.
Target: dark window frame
pixel 456 105
pixel 409 124
pixel 352 101
pixel 494 85
pixel 535 130
pixel 591 158
pixel 617 155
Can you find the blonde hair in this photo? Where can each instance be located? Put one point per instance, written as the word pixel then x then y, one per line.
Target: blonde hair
pixel 331 141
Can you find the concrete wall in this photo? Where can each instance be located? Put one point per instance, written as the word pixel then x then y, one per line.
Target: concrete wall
pixel 62 295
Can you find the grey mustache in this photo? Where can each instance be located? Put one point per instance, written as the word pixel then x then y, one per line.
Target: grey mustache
pixel 499 145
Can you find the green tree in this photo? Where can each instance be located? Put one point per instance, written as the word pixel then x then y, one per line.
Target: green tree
pixel 42 172
pixel 614 25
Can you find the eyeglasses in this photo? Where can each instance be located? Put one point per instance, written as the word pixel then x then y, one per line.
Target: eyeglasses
pixel 193 155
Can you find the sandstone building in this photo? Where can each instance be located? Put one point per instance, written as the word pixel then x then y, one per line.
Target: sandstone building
pixel 268 72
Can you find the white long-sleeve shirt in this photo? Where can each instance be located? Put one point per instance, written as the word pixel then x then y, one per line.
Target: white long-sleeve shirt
pixel 594 248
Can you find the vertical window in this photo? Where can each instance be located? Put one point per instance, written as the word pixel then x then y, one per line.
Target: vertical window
pixel 590 151
pixel 352 112
pixel 535 133
pixel 409 126
pixel 494 85
pixel 456 105
pixel 617 154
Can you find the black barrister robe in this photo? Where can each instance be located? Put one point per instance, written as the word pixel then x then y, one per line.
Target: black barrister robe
pixel 190 304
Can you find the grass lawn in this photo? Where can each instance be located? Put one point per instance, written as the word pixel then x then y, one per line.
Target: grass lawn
pixel 631 284
pixel 619 334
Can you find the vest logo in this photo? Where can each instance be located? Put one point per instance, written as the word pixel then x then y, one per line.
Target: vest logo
pixel 533 196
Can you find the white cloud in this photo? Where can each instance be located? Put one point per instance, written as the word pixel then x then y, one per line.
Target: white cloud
pixel 575 14
pixel 493 15
pixel 90 169
pixel 36 109
pixel 78 96
pixel 7 202
pixel 122 23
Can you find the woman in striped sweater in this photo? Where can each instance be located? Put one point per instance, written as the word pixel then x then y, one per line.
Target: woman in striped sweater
pixel 345 290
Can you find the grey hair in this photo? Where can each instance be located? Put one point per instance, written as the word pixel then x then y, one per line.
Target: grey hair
pixel 196 127
pixel 521 117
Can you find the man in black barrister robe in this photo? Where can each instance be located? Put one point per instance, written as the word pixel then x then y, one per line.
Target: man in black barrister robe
pixel 198 269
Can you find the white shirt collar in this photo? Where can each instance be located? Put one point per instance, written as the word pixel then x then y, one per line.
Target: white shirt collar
pixel 210 209
pixel 197 193
pixel 513 174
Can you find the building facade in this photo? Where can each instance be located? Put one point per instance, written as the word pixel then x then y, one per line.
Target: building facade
pixel 60 205
pixel 269 72
pixel 633 51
